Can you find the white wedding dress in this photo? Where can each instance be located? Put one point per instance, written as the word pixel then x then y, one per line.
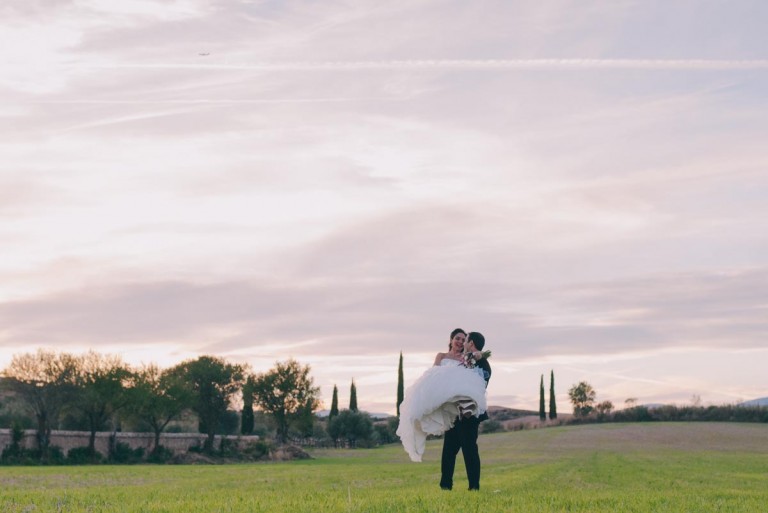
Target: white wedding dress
pixel 431 404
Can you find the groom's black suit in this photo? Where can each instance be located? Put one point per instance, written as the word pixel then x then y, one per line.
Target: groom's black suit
pixel 463 435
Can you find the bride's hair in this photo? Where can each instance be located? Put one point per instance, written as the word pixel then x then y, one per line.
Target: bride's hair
pixel 453 334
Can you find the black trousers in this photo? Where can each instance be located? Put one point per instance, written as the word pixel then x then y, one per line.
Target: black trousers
pixel 463 435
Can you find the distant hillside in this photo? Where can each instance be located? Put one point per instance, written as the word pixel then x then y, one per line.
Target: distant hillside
pixel 375 416
pixel 652 406
pixel 501 413
pixel 763 401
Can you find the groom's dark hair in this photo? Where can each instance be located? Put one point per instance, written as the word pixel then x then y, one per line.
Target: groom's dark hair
pixel 477 338
pixel 453 334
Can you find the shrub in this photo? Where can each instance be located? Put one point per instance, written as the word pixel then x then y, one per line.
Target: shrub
pixel 55 455
pixel 14 453
pixel 122 453
pixel 228 447
pixel 83 456
pixel 320 436
pixel 491 426
pixel 256 450
pixel 386 433
pixel 161 454
pixel 353 426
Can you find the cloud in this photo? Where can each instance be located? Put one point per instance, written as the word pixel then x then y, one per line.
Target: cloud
pixel 26 193
pixel 489 64
pixel 696 309
pixel 342 179
pixel 383 314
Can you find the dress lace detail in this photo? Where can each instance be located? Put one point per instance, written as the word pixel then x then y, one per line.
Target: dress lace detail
pixel 435 399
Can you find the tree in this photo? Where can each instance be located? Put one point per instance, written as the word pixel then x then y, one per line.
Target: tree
pixel 211 383
pixel 552 405
pixel 157 397
pixel 582 397
pixel 304 423
pixel 542 404
pixel 400 393
pixel 351 425
pixel 100 390
pixel 604 409
pixel 286 392
pixel 246 417
pixel 334 404
pixel 353 397
pixel 43 382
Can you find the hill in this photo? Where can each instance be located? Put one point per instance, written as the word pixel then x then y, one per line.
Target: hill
pixel 762 401
pixel 502 413
pixel 322 414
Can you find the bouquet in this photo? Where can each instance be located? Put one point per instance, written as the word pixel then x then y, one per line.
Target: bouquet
pixel 470 361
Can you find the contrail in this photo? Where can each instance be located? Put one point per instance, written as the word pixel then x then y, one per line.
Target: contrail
pixel 203 101
pixel 487 64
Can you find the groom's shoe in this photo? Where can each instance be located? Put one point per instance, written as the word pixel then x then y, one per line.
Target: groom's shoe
pixel 446 488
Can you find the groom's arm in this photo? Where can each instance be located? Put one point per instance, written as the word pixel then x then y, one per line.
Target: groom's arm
pixel 483 364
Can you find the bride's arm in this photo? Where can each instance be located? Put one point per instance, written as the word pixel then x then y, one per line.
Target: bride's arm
pixel 438 358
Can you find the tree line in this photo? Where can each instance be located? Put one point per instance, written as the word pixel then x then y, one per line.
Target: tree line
pixel 101 391
pixel 586 409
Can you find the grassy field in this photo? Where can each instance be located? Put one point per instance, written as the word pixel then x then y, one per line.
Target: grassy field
pixel 657 467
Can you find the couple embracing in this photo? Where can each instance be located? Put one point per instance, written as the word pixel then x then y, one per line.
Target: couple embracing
pixel 449 400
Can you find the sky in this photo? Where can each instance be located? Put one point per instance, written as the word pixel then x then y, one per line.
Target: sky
pixel 584 182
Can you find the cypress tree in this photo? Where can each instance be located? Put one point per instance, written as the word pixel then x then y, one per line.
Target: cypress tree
pixel 246 419
pixel 353 397
pixel 552 405
pixel 542 408
pixel 399 384
pixel 334 404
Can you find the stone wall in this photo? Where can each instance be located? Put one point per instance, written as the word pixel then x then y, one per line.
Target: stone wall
pixel 178 442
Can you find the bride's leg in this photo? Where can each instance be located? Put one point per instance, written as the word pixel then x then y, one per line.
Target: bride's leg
pixel 467 408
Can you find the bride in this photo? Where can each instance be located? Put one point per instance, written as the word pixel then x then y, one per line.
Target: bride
pixel 448 389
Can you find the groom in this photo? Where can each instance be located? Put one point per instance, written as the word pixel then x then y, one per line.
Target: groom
pixel 463 434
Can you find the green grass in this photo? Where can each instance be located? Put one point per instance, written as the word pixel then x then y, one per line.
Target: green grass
pixel 669 467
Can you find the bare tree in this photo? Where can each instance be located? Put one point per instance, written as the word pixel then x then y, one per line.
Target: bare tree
pixel 604 409
pixel 43 382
